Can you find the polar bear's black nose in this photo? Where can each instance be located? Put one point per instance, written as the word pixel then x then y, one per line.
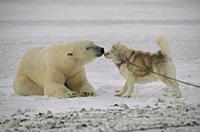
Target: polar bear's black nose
pixel 102 50
pixel 99 51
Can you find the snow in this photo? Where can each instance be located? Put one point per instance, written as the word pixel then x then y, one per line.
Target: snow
pixel 25 24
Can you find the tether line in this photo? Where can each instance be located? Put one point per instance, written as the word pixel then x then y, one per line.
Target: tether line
pixel 184 82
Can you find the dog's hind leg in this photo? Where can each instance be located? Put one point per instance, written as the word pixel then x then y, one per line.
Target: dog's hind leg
pixel 172 84
pixel 168 69
pixel 122 91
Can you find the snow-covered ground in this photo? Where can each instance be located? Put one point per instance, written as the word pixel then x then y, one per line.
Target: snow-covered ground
pixel 25 24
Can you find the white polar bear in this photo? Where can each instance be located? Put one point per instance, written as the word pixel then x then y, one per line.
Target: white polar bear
pixel 57 71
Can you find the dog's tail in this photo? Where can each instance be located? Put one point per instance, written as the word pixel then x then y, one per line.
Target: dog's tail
pixel 163 44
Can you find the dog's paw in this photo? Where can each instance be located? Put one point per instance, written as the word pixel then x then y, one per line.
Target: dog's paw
pixel 176 95
pixel 118 94
pixel 117 91
pixel 126 95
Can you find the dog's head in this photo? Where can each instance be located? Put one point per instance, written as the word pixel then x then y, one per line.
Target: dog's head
pixel 117 53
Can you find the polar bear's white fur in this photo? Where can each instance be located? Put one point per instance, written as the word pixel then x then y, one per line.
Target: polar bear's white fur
pixel 57 71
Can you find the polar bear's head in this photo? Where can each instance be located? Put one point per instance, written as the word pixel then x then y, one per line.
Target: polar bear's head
pixel 83 52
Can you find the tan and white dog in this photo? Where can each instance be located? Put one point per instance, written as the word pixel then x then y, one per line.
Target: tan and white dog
pixel 137 66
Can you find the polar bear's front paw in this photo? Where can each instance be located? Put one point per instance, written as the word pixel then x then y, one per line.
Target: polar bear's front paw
pixel 68 94
pixel 87 92
pixel 72 94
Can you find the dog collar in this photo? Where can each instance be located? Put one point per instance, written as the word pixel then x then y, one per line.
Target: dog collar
pixel 119 64
pixel 126 60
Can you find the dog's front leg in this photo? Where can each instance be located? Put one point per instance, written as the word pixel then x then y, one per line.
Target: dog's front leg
pixel 122 91
pixel 130 87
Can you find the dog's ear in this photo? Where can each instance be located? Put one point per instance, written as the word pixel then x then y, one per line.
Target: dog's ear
pixel 113 47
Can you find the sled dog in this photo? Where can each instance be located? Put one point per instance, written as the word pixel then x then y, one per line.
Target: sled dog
pixel 137 66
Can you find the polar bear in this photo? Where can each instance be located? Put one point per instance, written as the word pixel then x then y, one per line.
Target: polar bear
pixel 57 71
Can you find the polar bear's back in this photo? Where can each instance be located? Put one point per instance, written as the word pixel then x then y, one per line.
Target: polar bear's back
pixel 32 53
pixel 30 62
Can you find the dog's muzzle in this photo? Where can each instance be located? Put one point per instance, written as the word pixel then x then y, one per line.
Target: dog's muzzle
pixel 107 55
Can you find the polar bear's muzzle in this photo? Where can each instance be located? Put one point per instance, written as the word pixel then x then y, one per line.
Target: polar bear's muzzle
pixel 99 51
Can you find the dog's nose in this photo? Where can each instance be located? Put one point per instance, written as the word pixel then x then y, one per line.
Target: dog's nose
pixel 107 53
pixel 102 50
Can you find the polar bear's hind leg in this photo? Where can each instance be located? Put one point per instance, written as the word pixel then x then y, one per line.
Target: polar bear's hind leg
pixel 24 86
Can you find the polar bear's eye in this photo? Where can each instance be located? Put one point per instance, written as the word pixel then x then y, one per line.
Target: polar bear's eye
pixel 70 54
pixel 87 48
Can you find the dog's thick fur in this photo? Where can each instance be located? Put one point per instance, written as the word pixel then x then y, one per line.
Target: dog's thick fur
pixel 159 62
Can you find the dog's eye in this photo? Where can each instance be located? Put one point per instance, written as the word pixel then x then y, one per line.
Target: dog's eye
pixel 70 54
pixel 113 47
